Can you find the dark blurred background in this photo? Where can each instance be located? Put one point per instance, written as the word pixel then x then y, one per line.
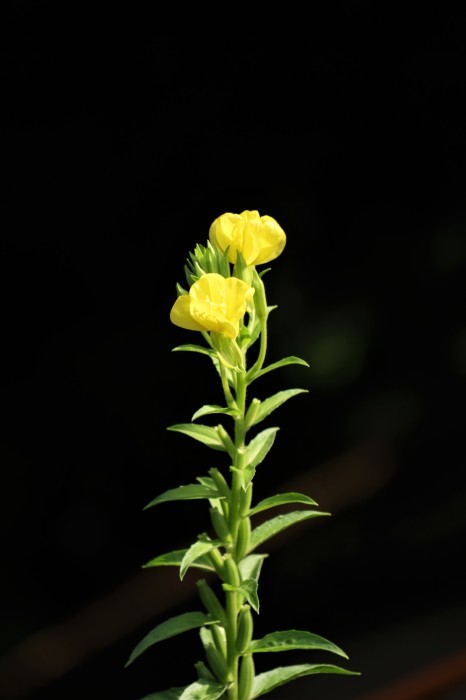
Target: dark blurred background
pixel 124 133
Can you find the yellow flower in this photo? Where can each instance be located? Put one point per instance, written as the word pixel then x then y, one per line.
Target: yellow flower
pixel 214 303
pixel 259 239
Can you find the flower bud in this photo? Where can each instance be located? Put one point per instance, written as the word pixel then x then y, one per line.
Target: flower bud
pixel 220 525
pixel 217 663
pixel 245 629
pixel 211 602
pixel 244 538
pixel 246 677
pixel 231 571
pixel 220 482
pixel 245 502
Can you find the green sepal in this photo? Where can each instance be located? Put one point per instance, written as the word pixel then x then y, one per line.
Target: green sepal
pixel 291 360
pixel 170 628
pixel 184 493
pixel 190 347
pixel 242 270
pixel 288 640
pixel 210 409
pixel 268 681
pixel 248 589
pixel 281 522
pixel 203 689
pixel 203 545
pixel 250 567
pixel 281 499
pixel 175 558
pixel 203 433
pixel 273 402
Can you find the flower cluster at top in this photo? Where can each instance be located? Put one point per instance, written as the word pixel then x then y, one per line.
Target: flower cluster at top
pixel 217 300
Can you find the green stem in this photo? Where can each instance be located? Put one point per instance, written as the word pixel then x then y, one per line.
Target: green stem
pixel 233 599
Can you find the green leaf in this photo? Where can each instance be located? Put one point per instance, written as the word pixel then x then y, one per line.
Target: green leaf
pixel 194 348
pixel 248 589
pixel 202 689
pixel 259 447
pixel 170 628
pixel 210 409
pixel 265 682
pixel 282 499
pixel 210 483
pixel 250 567
pixel 207 638
pixel 202 546
pixel 185 493
pixel 266 407
pixel 272 527
pixel 204 433
pixel 171 694
pixel 175 558
pixel 292 360
pixel 293 639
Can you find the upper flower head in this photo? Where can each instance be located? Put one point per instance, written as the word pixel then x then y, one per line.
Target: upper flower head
pixel 214 303
pixel 258 238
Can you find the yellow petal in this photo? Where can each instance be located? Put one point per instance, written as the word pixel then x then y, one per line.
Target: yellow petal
pixel 239 293
pixel 259 239
pixel 180 314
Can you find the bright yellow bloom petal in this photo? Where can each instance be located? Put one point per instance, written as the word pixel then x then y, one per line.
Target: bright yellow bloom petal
pixel 214 303
pixel 259 239
pixel 180 314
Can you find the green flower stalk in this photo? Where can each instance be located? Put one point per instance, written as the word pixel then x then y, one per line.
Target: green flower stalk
pixel 226 304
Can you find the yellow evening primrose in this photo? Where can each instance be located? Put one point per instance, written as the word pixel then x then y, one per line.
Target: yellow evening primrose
pixel 259 239
pixel 214 303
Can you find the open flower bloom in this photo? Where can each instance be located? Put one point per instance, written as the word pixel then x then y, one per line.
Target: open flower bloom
pixel 259 239
pixel 214 303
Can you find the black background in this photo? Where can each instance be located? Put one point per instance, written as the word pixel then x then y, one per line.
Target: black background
pixel 125 132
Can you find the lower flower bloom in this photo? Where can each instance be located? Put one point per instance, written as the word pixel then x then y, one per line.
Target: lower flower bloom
pixel 214 303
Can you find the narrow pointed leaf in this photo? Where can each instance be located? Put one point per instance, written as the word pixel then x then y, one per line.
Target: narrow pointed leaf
pixel 293 639
pixel 272 527
pixel 175 558
pixel 210 409
pixel 210 483
pixel 250 567
pixel 194 348
pixel 268 405
pixel 248 589
pixel 202 689
pixel 282 499
pixel 291 360
pixel 207 638
pixel 259 447
pixel 185 493
pixel 170 694
pixel 268 681
pixel 170 628
pixel 196 550
pixel 203 433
